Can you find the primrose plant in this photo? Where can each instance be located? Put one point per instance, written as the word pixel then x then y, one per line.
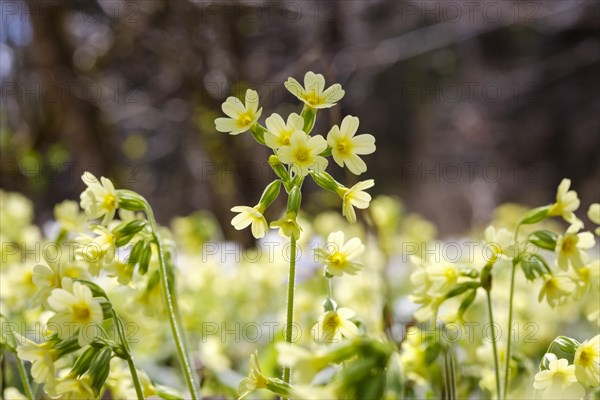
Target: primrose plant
pixel 298 153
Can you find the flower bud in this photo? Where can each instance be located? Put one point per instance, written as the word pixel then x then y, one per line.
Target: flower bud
pixel 544 239
pixel 130 200
pixel 325 180
pixel 278 168
pixel 309 115
pixel 329 305
pixel 535 215
pixel 566 344
pixel 126 230
pixel 83 362
pixel 270 194
pixel 294 200
pixel 100 368
pixel 258 132
pixel 145 256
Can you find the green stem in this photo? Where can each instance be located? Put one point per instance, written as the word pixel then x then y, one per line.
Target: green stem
pixel 290 303
pixel 24 379
pixel 515 262
pixel 172 311
pixel 123 339
pixel 494 346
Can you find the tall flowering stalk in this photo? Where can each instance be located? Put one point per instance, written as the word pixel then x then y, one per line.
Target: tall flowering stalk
pixel 297 154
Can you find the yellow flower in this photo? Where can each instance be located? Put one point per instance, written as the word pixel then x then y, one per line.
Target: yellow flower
pixel 250 215
pixel 42 357
pixel 75 307
pixel 288 227
pixel 302 154
pixel 313 94
pixel 587 362
pixel 566 202
pixel 355 197
pixel 241 115
pixel 255 379
pixel 559 381
pixel 338 256
pixel 71 388
pixel 345 146
pixel 98 250
pixel 334 324
pixel 48 277
pixel 69 216
pixel 557 289
pixel 594 216
pixel 279 132
pixel 571 247
pixel 99 199
pixel 499 242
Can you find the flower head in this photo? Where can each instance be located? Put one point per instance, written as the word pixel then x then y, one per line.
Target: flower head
pixel 302 154
pixel 499 242
pixel 279 132
pixel 313 94
pixel 71 388
pixel 334 324
pixel 557 289
pixel 75 307
pixel 69 216
pixel 250 215
pixel 241 115
pixel 42 357
pixel 99 199
pixel 345 146
pixel 288 226
pixel 255 379
pixel 566 202
pixel 572 245
pixel 559 381
pixel 97 250
pixel 355 197
pixel 587 362
pixel 338 256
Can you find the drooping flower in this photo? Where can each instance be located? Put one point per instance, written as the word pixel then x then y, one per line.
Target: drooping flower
pixel 99 199
pixel 559 381
pixel 98 250
pixel 250 215
pixel 355 197
pixel 302 154
pixel 71 388
pixel 254 380
pixel 571 247
pixel 76 308
pixel 346 147
pixel 557 289
pixel 566 202
pixel 288 226
pixel 241 115
pixel 338 256
pixel 42 357
pixel 332 325
pixel 587 362
pixel 279 132
pixel 314 94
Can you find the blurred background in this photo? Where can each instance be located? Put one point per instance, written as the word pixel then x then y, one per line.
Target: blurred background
pixel 472 103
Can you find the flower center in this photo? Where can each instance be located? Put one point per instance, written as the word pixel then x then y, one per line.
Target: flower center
pixel 302 155
pixel 109 202
pixel 245 119
pixel 338 259
pixel 313 98
pixel 344 146
pixel 569 244
pixel 81 313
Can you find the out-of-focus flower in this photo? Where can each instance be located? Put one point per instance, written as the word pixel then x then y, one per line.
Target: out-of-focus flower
pixel 594 216
pixel 302 154
pixel 557 289
pixel 338 256
pixel 69 216
pixel 97 250
pixel 345 146
pixel 587 362
pixel 42 357
pixel 355 197
pixel 571 247
pixel 313 94
pixel 279 132
pixel 559 381
pixel 71 388
pixel 48 277
pixel 332 325
pixel 413 357
pixel 241 115
pixel 499 242
pixel 75 307
pixel 566 202
pixel 99 199
pixel 250 215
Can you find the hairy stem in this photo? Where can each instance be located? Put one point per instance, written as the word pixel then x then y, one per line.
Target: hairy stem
pixel 132 369
pixel 173 312
pixel 290 303
pixel 24 379
pixel 494 345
